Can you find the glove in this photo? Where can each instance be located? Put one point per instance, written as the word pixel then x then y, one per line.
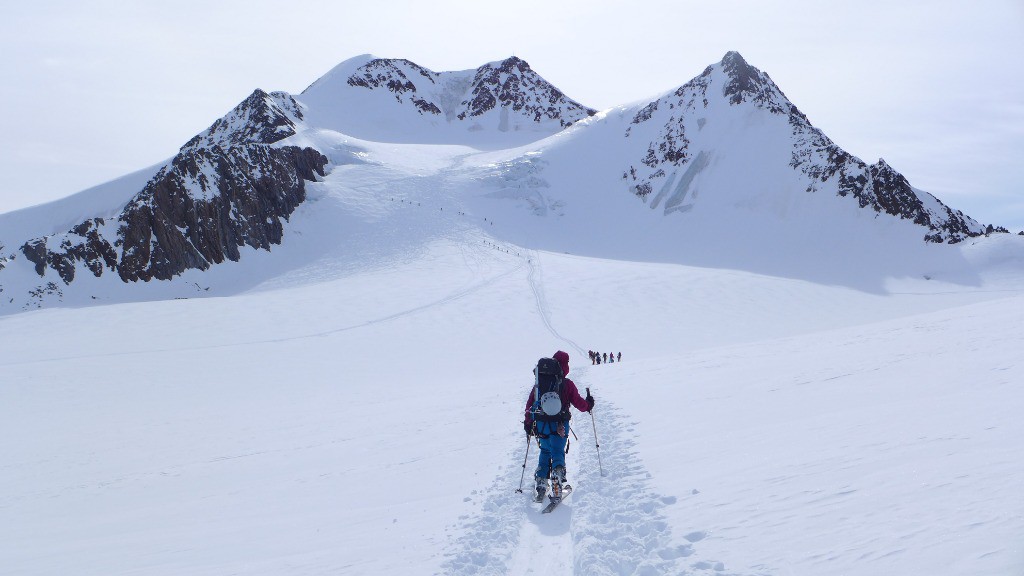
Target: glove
pixel 590 402
pixel 527 427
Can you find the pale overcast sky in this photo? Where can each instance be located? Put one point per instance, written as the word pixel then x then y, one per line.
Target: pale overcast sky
pixel 94 90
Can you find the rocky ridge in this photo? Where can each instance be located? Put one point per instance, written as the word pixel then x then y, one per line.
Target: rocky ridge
pixel 397 77
pixel 226 188
pixel 826 167
pixel 510 85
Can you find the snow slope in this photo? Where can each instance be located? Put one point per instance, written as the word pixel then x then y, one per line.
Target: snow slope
pixel 366 421
pixel 60 215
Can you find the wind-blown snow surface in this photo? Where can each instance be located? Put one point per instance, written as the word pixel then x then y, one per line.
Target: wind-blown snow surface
pixel 361 415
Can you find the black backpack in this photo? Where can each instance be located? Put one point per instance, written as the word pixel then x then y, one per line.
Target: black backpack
pixel 547 391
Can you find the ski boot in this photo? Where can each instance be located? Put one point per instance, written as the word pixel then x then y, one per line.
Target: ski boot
pixel 558 484
pixel 541 489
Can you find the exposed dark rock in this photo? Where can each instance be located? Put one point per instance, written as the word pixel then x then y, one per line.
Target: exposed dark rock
pixel 388 72
pixel 509 84
pixel 425 106
pixel 35 252
pixel 514 85
pixel 646 112
pixel 483 100
pixel 83 243
pixel 172 227
pixel 748 84
pixel 877 187
pixel 43 290
pixel 261 118
pixel 391 74
pixel 226 188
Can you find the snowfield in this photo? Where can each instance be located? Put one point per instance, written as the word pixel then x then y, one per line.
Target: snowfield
pixel 371 424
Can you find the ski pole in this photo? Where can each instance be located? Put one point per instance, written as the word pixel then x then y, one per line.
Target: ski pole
pixel 520 490
pixel 596 443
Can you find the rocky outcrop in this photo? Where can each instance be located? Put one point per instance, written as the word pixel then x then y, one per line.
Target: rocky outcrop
pixel 259 119
pixel 877 187
pixel 744 83
pixel 248 191
pixel 84 243
pixel 227 188
pixel 397 77
pixel 510 84
pixel 670 146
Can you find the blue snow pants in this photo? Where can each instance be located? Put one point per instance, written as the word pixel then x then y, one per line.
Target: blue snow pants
pixel 552 448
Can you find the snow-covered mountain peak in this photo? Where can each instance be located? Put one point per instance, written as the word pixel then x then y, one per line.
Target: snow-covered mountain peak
pixel 745 83
pixel 261 118
pixel 396 74
pixel 734 59
pixel 404 80
pixel 510 64
pixel 733 116
pixel 737 67
pixel 340 73
pixel 511 84
pixel 397 100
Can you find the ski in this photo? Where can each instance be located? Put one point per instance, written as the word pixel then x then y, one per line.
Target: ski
pixel 566 490
pixel 551 506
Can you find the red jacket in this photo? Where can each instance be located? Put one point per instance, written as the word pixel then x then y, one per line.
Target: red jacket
pixel 570 394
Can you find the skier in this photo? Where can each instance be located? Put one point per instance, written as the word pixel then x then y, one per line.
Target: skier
pixel 552 432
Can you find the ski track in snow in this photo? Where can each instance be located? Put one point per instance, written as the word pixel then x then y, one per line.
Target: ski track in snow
pixel 535 277
pixel 619 527
pixel 491 537
pixel 612 523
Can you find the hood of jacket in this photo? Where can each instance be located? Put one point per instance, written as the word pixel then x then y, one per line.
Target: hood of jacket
pixel 563 361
